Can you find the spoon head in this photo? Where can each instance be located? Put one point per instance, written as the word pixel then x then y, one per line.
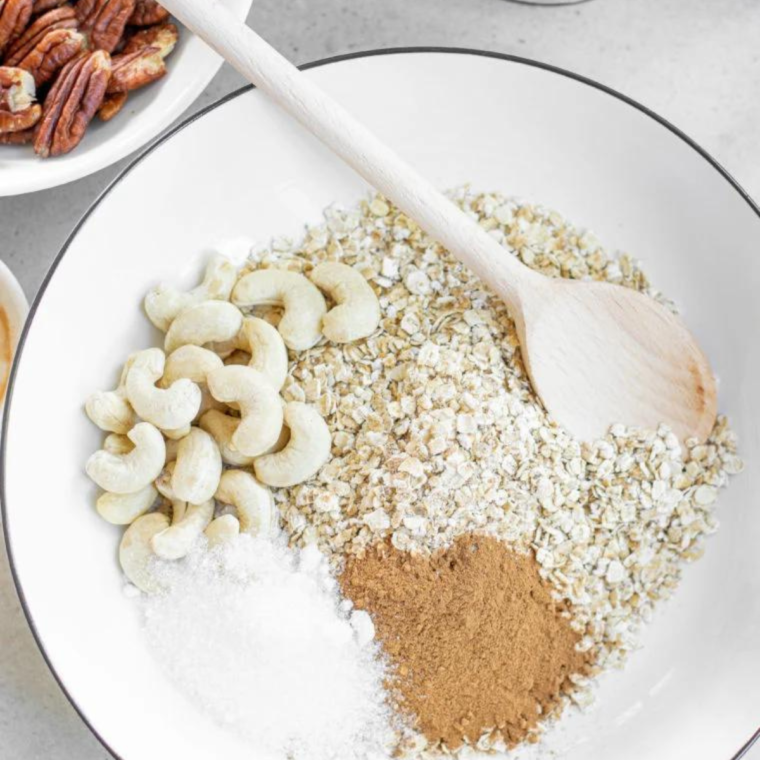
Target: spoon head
pixel 600 354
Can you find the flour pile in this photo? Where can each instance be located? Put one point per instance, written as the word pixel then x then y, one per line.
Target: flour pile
pixel 256 635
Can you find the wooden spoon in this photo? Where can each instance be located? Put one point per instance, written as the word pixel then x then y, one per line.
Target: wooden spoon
pixel 596 353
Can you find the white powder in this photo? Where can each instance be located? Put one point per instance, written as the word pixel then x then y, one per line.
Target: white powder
pixel 256 635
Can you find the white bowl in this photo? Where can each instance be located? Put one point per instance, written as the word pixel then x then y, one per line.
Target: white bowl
pixel 500 123
pixel 14 303
pixel 191 66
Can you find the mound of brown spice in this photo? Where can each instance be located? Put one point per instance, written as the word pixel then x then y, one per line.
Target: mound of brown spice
pixel 477 642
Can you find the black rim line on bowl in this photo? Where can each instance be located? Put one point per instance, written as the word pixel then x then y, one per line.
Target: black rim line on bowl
pixel 178 128
pixel 551 5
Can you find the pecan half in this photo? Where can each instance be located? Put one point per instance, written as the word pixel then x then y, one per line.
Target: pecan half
pixel 104 21
pixel 71 103
pixel 52 53
pixel 60 18
pixel 112 104
pixel 164 37
pixel 134 70
pixel 14 16
pixel 18 111
pixel 16 89
pixel 24 137
pixel 20 120
pixel 147 13
pixel 42 6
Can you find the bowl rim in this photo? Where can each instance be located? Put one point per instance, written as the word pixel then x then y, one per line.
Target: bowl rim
pixel 742 751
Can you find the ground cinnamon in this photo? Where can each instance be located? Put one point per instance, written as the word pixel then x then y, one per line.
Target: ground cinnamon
pixel 477 642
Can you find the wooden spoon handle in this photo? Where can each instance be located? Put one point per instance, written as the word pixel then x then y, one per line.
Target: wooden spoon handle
pixel 256 60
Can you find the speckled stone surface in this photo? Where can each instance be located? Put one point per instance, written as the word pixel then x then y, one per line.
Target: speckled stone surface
pixel 696 62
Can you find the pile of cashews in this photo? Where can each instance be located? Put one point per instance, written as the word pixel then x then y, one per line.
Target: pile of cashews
pixel 198 431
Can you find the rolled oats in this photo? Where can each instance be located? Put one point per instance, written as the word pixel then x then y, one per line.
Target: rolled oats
pixel 437 431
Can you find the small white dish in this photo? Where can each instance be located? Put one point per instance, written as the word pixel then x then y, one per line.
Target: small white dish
pixel 14 308
pixel 148 111
pixel 244 169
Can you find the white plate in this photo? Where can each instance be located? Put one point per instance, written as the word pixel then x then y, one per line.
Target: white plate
pixel 192 66
pixel 694 690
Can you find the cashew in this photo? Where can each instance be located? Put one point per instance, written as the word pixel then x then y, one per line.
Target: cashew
pixel 254 503
pixel 171 450
pixel 179 510
pixel 128 473
pixel 164 303
pixel 357 313
pixel 135 554
pixel 222 427
pixel 260 407
pixel 238 356
pixel 282 441
pixel 268 353
pixel 178 433
pixel 173 506
pixel 193 363
pixel 307 450
pixel 166 509
pixel 198 467
pixel 208 402
pixel 207 322
pixel 258 345
pixel 125 508
pixel 189 362
pixel 225 348
pixel 170 408
pixel 175 541
pixel 164 481
pixel 303 303
pixel 110 410
pixel 223 529
pixel 117 444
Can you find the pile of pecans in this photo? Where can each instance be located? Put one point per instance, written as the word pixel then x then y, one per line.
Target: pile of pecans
pixel 63 63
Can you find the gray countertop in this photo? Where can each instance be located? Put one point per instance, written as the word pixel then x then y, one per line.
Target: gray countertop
pixel 696 62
